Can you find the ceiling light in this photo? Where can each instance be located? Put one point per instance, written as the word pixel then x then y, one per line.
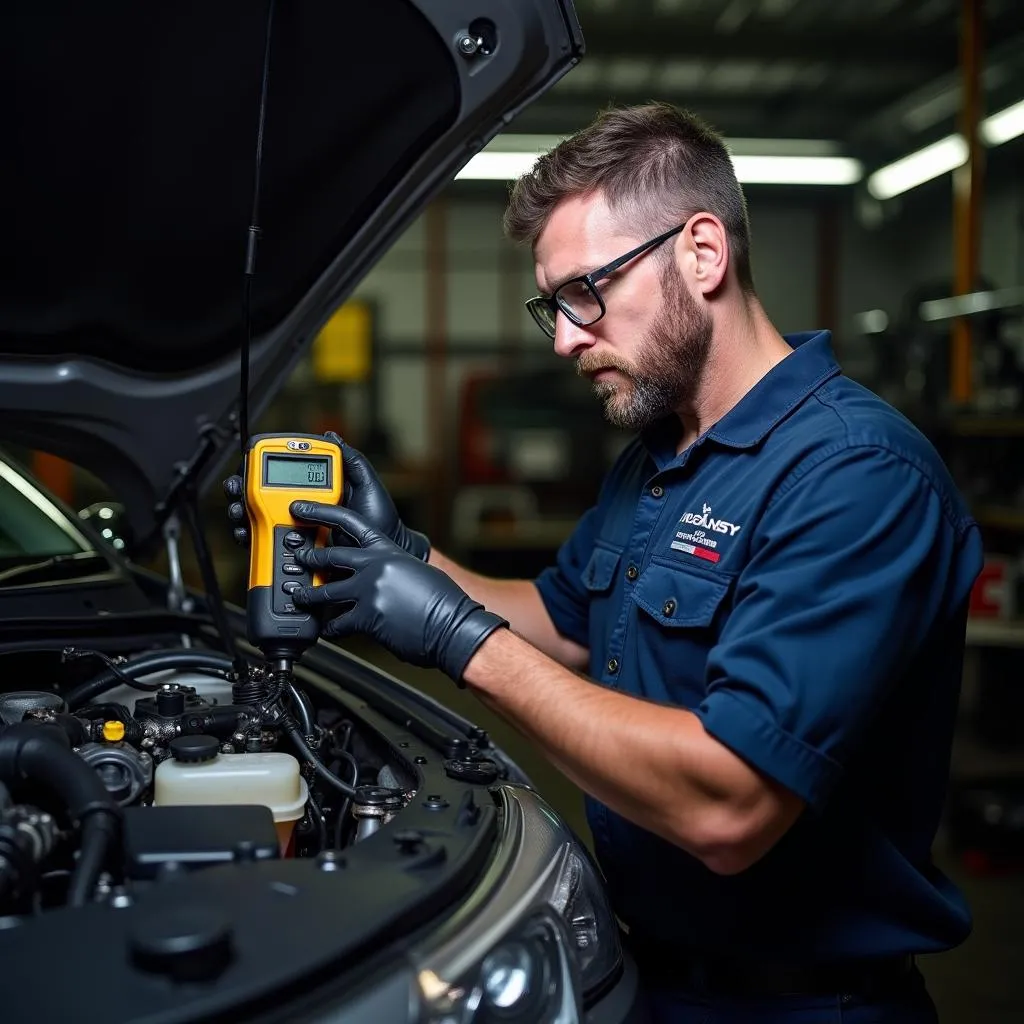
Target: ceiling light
pixel 497 166
pixel 1005 125
pixel 913 170
pixel 797 170
pixel 945 155
pixel 509 156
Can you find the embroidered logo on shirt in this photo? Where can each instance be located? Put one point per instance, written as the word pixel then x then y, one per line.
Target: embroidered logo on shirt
pixel 696 542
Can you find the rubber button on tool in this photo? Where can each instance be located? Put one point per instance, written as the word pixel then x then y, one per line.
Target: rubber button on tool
pixel 290 586
pixel 291 569
pixel 294 540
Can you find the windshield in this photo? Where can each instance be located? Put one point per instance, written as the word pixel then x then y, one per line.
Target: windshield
pixel 33 527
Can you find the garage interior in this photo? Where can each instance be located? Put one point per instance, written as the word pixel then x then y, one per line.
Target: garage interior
pixel 494 447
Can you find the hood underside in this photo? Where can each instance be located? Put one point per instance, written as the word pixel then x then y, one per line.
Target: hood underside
pixel 130 140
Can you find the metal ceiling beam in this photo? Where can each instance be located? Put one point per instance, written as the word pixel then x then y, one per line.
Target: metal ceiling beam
pixel 928 52
pixel 788 116
pixel 896 124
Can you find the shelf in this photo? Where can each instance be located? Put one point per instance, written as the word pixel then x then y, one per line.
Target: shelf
pixel 979 425
pixel 995 632
pixel 1001 517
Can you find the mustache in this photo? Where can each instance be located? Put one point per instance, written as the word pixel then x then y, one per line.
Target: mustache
pixel 590 362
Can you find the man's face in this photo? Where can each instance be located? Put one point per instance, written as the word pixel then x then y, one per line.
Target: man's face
pixel 646 356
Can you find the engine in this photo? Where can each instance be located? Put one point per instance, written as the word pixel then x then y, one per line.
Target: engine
pixel 171 762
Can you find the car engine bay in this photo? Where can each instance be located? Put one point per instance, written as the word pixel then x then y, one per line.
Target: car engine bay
pixel 168 761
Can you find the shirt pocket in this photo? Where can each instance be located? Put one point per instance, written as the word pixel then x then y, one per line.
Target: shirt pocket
pixel 678 622
pixel 599 572
pixel 680 598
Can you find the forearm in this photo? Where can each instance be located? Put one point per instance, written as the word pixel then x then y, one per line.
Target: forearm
pixel 519 602
pixel 652 764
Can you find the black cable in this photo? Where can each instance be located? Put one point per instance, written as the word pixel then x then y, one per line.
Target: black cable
pixel 303 707
pixel 214 597
pixel 316 812
pixel 339 825
pixel 251 244
pixel 291 727
pixel 144 665
pixel 71 653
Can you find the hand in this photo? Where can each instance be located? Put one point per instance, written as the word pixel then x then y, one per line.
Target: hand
pixel 364 494
pixel 414 610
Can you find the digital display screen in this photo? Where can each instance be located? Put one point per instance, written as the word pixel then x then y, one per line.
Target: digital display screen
pixel 287 471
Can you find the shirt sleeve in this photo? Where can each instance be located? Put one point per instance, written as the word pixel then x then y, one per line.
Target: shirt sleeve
pixel 852 567
pixel 561 587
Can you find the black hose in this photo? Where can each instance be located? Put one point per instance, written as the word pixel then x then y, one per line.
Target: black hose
pixel 40 754
pixel 317 814
pixel 339 825
pixel 146 664
pixel 92 854
pixel 292 728
pixel 303 707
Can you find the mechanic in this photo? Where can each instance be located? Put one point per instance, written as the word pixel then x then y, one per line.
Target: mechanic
pixel 769 598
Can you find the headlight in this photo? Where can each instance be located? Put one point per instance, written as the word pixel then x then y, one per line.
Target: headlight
pixel 536 941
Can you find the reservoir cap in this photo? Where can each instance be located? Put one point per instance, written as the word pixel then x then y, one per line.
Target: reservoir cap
pixel 194 749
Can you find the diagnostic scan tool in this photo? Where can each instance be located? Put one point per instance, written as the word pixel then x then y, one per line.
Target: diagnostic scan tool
pixel 280 469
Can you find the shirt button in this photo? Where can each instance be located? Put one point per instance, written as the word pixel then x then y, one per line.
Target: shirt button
pixel 657 490
pixel 613 665
pixel 669 607
pixel 632 572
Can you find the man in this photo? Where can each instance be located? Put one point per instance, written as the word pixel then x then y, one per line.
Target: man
pixel 769 598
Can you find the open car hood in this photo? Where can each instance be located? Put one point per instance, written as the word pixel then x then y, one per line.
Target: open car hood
pixel 130 139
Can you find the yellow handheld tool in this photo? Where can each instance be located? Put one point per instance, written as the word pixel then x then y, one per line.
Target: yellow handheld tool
pixel 280 469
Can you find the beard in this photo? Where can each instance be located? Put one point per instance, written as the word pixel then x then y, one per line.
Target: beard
pixel 668 366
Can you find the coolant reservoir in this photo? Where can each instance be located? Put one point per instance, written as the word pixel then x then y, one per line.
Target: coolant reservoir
pixel 197 773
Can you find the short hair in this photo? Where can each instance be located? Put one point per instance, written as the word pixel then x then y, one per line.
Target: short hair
pixel 657 165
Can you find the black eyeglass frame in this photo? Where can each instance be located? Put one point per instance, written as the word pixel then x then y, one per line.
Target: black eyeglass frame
pixel 554 304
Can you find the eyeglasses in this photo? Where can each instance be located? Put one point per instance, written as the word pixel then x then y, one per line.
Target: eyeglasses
pixel 579 298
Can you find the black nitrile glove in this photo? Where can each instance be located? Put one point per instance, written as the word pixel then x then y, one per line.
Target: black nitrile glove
pixel 364 494
pixel 414 610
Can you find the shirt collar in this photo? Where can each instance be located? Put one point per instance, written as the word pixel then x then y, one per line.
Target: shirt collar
pixel 782 389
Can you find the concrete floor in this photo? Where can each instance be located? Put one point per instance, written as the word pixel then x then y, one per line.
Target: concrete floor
pixel 974 984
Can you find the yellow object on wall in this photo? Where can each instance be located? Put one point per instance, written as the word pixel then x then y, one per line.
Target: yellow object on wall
pixel 342 349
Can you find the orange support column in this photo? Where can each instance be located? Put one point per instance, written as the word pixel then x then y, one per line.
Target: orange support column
pixel 967 192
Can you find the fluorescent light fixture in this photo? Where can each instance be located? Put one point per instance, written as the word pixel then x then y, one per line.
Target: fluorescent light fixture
pixel 872 321
pixel 913 170
pixel 945 155
pixel 797 170
pixel 780 162
pixel 1005 125
pixel 971 304
pixel 489 166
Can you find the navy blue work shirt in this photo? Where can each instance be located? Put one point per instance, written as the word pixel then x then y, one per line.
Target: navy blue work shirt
pixel 798 578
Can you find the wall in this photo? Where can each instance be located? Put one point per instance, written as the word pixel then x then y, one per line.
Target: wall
pixel 488 280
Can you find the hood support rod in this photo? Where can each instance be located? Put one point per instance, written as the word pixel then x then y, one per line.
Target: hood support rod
pixel 250 249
